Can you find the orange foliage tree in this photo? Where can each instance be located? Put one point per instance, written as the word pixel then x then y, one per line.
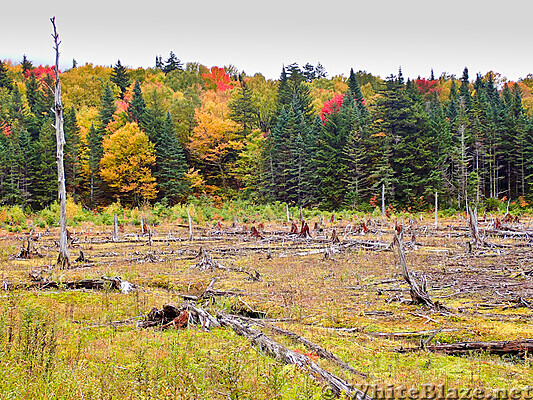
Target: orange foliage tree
pixel 214 140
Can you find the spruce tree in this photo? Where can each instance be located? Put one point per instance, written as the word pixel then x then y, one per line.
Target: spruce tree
pixel 243 109
pixel 107 108
pixel 5 80
pixel 137 105
pixel 120 77
pixel 172 64
pixel 171 165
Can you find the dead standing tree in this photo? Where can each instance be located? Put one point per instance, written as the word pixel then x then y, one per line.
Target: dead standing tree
pixel 63 259
pixel 418 291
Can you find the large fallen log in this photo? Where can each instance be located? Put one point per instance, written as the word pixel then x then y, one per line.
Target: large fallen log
pixel 511 347
pixel 287 356
pixel 318 350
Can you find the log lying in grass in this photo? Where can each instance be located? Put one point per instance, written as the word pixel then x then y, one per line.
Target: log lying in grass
pixel 104 283
pixel 318 350
pixel 511 347
pixel 287 356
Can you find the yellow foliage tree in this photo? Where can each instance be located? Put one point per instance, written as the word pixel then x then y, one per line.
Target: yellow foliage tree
pixel 214 140
pixel 125 166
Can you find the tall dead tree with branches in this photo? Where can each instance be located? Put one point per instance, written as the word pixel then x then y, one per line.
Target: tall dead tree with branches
pixel 63 260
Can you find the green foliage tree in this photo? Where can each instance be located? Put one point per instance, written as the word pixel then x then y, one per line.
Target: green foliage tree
pixel 120 77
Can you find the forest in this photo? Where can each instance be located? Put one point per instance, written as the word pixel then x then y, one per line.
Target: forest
pixel 164 134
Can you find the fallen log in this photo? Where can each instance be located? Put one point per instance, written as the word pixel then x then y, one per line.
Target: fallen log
pixel 318 350
pixel 287 356
pixel 511 347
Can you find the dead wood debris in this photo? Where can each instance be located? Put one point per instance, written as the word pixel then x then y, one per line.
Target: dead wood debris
pixel 171 316
pixel 508 347
pixel 104 283
pixel 287 356
pixel 207 263
pixel 418 291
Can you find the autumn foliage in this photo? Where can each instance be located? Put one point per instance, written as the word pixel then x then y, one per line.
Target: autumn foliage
pixel 217 79
pixel 331 106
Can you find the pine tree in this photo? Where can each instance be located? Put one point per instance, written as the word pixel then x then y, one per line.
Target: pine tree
pixel 464 91
pixel 107 108
pixel 172 64
pixel 120 77
pixel 72 152
pixel 27 65
pixel 320 72
pixel 243 109
pixel 44 182
pixel 330 161
pixel 309 72
pixel 5 80
pixel 137 105
pixel 94 141
pixel 171 165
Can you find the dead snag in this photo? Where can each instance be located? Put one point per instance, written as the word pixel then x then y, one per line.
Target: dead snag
pixel 294 229
pixel 473 226
pixel 334 236
pixel 205 261
pixel 256 234
pixel 512 347
pixel 63 258
pixel 418 291
pixel 304 232
pixel 287 356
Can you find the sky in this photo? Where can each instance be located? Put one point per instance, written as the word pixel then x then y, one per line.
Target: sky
pixel 375 35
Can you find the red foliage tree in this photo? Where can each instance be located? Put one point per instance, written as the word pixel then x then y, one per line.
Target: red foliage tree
pixel 217 79
pixel 41 72
pixel 331 106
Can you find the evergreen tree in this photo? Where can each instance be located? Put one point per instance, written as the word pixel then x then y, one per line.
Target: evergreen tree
pixel 107 108
pixel 137 105
pixel 309 73
pixel 5 80
pixel 120 77
pixel 27 65
pixel 170 164
pixel 44 182
pixel 464 91
pixel 94 141
pixel 243 109
pixel 72 152
pixel 158 62
pixel 172 64
pixel 320 72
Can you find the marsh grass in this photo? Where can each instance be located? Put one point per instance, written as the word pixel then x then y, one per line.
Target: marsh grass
pixel 63 344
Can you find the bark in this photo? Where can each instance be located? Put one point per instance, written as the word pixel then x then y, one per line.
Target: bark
pixel 287 356
pixel 514 347
pixel 63 259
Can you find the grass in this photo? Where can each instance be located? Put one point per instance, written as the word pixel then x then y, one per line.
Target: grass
pixel 61 344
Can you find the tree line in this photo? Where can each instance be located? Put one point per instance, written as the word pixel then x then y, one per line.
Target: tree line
pixel 166 133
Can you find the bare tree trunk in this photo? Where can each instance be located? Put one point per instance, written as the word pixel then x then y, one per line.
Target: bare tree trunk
pixel 190 225
pixel 287 211
pixel 383 201
pixel 115 228
pixel 63 260
pixel 436 210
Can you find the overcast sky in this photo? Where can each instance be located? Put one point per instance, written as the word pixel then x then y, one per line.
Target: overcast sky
pixel 373 35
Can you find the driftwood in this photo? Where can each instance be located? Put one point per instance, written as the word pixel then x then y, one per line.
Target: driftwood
pixel 511 347
pixel 287 356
